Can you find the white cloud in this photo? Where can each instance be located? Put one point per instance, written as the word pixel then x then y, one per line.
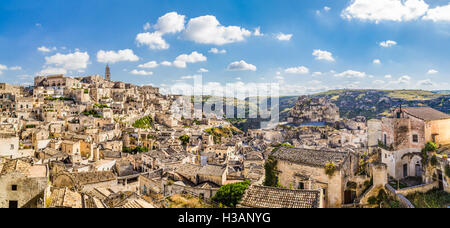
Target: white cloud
pixel 388 76
pixel 208 30
pixel 257 32
pixel 326 8
pixel 166 63
pixel 297 70
pixel 323 55
pixel 151 64
pixel 15 68
pixel 73 61
pixel 432 71
pixel 283 37
pixel 2 67
pixel 426 82
pixel 217 51
pixel 190 77
pixel 241 66
pixel 141 72
pixel 203 70
pixel 405 79
pixel 351 74
pixel 146 26
pixel 388 43
pixel 45 49
pixel 385 10
pixel 379 82
pixel 376 61
pixel 182 60
pixel 170 23
pixel 440 13
pixel 51 71
pixel 152 40
pixel 126 55
pixel 317 74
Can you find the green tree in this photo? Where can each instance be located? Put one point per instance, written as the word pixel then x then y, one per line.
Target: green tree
pixel 430 147
pixel 270 167
pixel 229 195
pixel 185 139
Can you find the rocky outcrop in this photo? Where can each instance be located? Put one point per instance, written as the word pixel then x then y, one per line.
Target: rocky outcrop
pixel 308 110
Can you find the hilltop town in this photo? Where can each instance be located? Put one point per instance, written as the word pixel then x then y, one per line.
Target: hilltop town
pixel 91 142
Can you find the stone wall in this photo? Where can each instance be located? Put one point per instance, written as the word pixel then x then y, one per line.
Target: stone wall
pixel 292 174
pixel 27 189
pixel 424 188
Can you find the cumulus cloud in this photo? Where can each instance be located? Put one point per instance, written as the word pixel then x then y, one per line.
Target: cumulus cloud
pixel 241 66
pixel 388 43
pixel 182 60
pixel 297 70
pixel 385 10
pixel 217 51
pixel 326 8
pixel 283 37
pixel 203 70
pixel 170 23
pixel 351 74
pixel 376 61
pixel 141 72
pixel 151 64
pixel 45 49
pixel 323 55
pixel 147 26
pixel 208 30
pixel 405 79
pixel 126 55
pixel 426 82
pixel 2 68
pixel 152 40
pixel 257 32
pixel 440 13
pixel 72 61
pixel 166 63
pixel 432 71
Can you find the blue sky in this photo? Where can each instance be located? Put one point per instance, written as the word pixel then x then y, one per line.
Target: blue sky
pixel 306 46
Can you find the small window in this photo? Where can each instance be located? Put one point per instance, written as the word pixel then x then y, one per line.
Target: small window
pixel 415 138
pixel 301 185
pixel 12 146
pixel 13 204
pixel 13 187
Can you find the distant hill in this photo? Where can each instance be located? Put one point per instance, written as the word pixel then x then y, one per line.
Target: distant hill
pixel 352 103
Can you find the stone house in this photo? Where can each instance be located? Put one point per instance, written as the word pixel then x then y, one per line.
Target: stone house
pixel 21 184
pixel 406 133
pixel 305 169
pixel 9 145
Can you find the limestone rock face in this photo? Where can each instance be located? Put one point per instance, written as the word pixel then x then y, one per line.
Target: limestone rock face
pixel 308 110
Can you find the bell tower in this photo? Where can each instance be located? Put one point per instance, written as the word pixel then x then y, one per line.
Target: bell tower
pixel 107 73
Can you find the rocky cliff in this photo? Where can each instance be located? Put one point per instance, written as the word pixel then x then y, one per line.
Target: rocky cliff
pixel 309 109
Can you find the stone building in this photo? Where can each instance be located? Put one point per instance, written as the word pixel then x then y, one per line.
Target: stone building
pixel 21 184
pixel 9 145
pixel 305 169
pixel 405 135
